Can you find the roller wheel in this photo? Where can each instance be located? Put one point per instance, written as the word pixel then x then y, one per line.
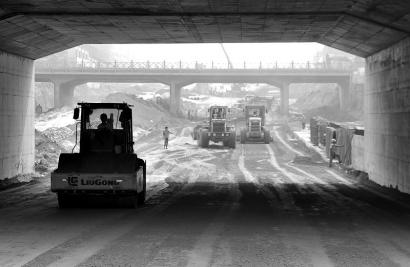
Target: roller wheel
pixel 141 198
pixel 243 137
pixel 64 201
pixel 204 139
pixel 141 195
pixel 267 137
pixel 129 202
pixel 232 140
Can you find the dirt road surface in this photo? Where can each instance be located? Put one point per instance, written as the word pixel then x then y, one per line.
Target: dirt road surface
pixel 257 205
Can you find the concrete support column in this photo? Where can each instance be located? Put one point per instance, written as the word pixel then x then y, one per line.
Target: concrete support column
pixel 175 98
pixel 344 95
pixel 16 115
pixel 284 99
pixel 387 116
pixel 57 90
pixel 63 94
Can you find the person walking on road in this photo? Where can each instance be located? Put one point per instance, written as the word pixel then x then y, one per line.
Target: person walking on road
pixel 333 154
pixel 166 134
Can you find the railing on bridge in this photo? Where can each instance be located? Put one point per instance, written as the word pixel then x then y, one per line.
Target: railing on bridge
pixel 181 65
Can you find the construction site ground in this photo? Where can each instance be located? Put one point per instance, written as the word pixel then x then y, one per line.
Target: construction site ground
pixel 256 205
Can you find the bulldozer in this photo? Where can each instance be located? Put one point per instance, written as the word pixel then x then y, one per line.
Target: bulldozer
pixel 216 130
pixel 105 164
pixel 255 130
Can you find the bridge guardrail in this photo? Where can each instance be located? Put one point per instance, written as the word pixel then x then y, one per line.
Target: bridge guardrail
pixel 180 65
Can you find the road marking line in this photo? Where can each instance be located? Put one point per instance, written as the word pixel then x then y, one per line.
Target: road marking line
pixel 297 152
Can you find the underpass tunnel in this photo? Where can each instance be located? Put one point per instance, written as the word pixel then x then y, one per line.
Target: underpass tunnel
pixel 364 29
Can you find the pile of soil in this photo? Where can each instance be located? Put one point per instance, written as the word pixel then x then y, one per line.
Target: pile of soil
pixel 325 103
pixel 331 113
pixel 47 152
pixel 146 114
pixel 18 180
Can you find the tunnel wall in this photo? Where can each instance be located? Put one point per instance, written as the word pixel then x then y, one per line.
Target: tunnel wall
pixel 16 115
pixel 387 116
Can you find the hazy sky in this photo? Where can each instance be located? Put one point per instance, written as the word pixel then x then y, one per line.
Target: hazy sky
pixel 266 52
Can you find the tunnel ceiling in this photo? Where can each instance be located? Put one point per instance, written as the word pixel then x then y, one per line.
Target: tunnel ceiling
pixel 36 28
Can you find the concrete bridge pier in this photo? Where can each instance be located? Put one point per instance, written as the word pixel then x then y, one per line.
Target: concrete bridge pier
pixel 175 97
pixel 387 116
pixel 344 95
pixel 16 115
pixel 64 93
pixel 284 98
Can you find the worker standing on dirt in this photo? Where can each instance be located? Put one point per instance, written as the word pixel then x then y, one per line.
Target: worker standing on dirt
pixel 333 154
pixel 166 134
pixel 39 110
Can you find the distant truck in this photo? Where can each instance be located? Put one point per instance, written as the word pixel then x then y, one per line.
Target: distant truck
pixel 255 130
pixel 216 129
pixel 237 111
pixel 259 100
pixel 106 164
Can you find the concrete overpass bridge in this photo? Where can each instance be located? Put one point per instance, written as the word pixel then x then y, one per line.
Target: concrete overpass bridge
pixel 180 74
pixel 376 30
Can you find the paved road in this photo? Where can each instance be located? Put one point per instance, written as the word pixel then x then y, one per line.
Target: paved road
pixel 257 205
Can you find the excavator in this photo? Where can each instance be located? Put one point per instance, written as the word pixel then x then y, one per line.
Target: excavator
pixel 106 164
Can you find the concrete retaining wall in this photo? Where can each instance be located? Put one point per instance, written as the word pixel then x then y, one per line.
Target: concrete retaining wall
pixel 358 153
pixel 16 115
pixel 387 116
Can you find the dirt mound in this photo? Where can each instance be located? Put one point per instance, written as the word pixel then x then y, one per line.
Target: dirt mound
pixel 47 152
pixel 325 103
pixel 331 113
pixel 318 98
pixel 146 114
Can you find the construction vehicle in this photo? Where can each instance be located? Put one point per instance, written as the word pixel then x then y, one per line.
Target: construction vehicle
pixel 217 129
pixel 197 129
pixel 259 100
pixel 106 164
pixel 255 130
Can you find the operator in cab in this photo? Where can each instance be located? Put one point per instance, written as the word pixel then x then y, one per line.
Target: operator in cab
pixel 104 122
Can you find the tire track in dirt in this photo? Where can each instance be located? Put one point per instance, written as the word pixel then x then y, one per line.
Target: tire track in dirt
pixel 360 211
pixel 201 234
pixel 281 202
pixel 203 250
pixel 94 238
pixel 78 247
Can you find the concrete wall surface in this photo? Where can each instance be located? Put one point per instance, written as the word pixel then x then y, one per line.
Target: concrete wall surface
pixel 387 116
pixel 358 153
pixel 16 115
